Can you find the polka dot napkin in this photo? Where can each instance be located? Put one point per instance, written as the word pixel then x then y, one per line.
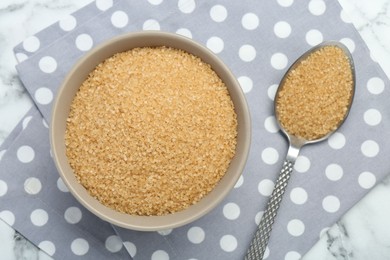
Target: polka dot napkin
pixel 36 202
pixel 258 41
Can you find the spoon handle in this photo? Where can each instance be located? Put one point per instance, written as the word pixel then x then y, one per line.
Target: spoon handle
pixel 260 240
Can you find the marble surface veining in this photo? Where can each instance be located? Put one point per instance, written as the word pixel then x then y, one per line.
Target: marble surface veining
pixel 363 233
pixel 372 20
pixel 18 20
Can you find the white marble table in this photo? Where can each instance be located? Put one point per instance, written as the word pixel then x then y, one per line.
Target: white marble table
pixel 363 233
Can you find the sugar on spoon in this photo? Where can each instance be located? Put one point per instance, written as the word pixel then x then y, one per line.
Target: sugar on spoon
pixel 312 101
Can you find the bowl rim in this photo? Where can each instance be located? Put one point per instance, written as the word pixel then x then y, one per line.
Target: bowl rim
pixel 86 202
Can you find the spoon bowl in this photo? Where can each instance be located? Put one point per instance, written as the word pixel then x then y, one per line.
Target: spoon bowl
pixel 299 141
pixel 260 240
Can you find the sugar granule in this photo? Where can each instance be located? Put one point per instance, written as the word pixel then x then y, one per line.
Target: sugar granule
pixel 316 94
pixel 151 131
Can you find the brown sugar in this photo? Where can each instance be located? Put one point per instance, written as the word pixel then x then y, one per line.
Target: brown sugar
pixel 316 94
pixel 151 131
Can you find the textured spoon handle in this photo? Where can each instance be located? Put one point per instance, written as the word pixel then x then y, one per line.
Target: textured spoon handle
pixel 260 240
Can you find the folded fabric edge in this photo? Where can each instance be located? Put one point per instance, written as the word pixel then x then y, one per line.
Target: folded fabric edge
pixel 17 130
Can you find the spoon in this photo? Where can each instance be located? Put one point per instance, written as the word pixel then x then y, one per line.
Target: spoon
pixel 296 141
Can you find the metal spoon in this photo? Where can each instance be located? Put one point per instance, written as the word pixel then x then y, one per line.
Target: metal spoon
pixel 261 237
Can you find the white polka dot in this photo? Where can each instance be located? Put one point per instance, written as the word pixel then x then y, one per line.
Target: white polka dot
pixel 246 83
pixel 218 13
pixel 160 255
pixel 314 37
pixel 26 121
pixel 285 3
pixel 185 32
pixel 32 185
pixel 196 235
pixel 282 29
pixel 113 244
pixel 231 211
pixel 375 85
pixel 250 21
pixel 68 23
pixel 31 44
pixel 270 155
pixel 317 7
pixel 73 215
pixel 25 154
pixel 370 148
pixel 119 19
pixel 349 43
pixel 298 195
pixel 266 253
pixel 151 24
pixel 295 227
pixel 271 125
pixel 292 255
pixel 258 217
pixel 186 6
pixel 48 247
pixel 21 57
pixel 334 172
pixel 8 217
pixel 302 164
pixel 155 2
pixel 104 5
pixel 337 141
pixel 345 17
pixel 84 42
pixel 247 53
pixel 131 248
pixel 61 185
pixel 215 44
pixel 239 182
pixel 367 180
pixel 165 232
pixel 79 246
pixel 279 61
pixel 272 91
pixel 372 117
pixel 39 217
pixel 47 64
pixel 266 187
pixel 228 243
pixel 331 204
pixel 3 188
pixel 43 96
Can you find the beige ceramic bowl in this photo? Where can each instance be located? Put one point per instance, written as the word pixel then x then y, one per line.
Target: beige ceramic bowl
pixel 61 110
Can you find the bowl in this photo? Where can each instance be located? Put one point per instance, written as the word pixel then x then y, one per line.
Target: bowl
pixel 77 76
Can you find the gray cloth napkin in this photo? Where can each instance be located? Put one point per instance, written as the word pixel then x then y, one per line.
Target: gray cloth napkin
pixel 39 205
pixel 258 41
